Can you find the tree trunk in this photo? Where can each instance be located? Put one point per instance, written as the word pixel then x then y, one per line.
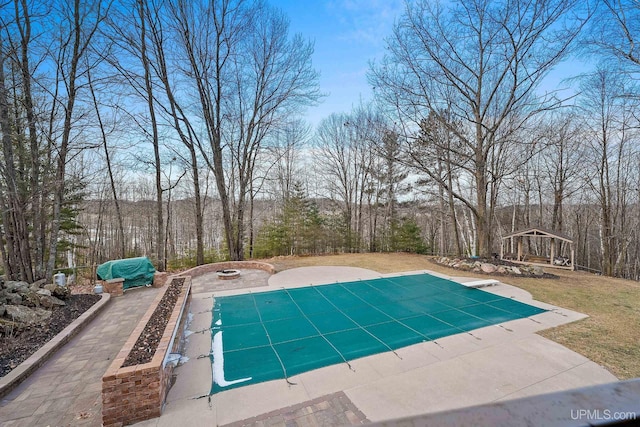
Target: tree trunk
pixel 36 188
pixel 63 149
pixel 120 235
pixel 160 249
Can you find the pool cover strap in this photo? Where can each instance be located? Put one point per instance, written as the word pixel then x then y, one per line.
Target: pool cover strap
pixel 284 370
pixel 347 316
pixel 320 333
pixel 279 334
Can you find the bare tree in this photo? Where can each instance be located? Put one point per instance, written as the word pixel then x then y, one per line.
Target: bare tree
pixel 357 154
pixel 609 100
pixel 23 24
pixel 249 76
pixel 562 159
pixel 79 23
pixel 616 31
pixel 177 116
pixel 475 64
pixel 120 237
pixel 23 192
pixel 15 249
pixel 284 158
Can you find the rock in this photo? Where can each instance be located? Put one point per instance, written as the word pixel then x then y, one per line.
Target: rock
pixel 17 287
pixel 3 310
pixel 49 301
pixel 44 292
pixel 50 286
pixel 31 299
pixel 488 268
pixel 26 315
pixel 538 271
pixel 502 270
pixel 62 292
pixel 516 270
pixel 14 299
pixel 39 283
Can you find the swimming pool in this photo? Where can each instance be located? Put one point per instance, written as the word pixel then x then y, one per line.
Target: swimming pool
pixel 271 335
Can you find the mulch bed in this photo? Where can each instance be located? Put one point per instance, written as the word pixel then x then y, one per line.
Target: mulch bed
pixel 16 347
pixel 147 343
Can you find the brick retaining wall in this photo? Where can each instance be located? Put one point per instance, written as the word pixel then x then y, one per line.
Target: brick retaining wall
pixel 136 393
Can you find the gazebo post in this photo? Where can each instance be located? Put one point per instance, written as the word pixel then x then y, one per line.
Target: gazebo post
pixel 520 249
pixel 573 258
pixel 552 250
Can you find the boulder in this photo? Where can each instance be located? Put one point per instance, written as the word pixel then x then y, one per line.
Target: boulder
pixel 516 270
pixel 39 283
pixel 62 292
pixel 26 315
pixel 488 268
pixel 49 301
pixel 17 287
pixel 31 299
pixel 44 292
pixel 538 271
pixel 50 286
pixel 14 299
pixel 502 269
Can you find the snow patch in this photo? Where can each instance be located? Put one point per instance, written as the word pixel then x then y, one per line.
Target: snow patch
pixel 217 366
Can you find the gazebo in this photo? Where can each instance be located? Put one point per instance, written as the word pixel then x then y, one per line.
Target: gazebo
pixel 554 260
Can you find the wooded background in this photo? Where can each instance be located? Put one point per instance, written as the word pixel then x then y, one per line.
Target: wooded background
pixel 175 129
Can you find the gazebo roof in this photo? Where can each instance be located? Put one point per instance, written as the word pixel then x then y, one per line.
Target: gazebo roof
pixel 538 232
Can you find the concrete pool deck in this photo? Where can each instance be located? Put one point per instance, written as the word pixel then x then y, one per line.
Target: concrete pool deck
pixel 492 364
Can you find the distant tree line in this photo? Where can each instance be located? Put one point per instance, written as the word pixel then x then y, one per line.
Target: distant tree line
pixel 172 129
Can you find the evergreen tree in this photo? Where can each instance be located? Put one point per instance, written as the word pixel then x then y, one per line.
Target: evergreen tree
pixel 407 237
pixel 297 230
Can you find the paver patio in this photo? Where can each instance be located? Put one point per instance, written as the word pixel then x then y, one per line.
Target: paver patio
pixel 491 364
pixel 494 363
pixel 66 390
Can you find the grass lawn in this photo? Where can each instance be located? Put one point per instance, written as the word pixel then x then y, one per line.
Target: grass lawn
pixel 609 336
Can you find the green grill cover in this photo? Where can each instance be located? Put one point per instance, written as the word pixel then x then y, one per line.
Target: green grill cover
pixel 135 271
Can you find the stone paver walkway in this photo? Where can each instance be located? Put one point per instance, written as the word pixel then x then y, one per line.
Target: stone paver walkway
pixel 333 410
pixel 66 390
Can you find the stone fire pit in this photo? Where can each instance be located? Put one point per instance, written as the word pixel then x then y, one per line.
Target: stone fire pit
pixel 228 274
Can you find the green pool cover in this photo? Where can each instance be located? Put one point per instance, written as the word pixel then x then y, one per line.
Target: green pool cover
pixel 270 335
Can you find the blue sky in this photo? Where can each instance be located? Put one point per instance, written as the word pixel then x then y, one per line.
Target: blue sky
pixel 347 35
